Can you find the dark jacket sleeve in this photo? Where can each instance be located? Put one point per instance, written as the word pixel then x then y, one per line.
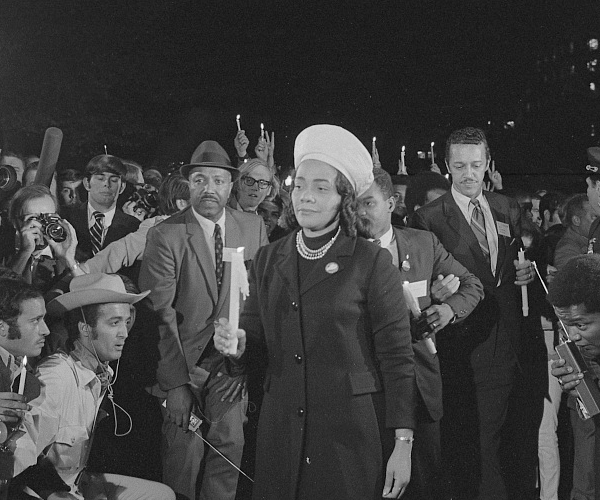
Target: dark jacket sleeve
pixel 470 291
pixel 392 340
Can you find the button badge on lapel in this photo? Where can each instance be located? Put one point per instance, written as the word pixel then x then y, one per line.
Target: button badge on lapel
pixel 406 264
pixel 332 268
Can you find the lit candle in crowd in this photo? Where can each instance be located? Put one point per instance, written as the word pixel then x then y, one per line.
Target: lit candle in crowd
pixel 374 147
pixel 23 376
pixel 105 150
pixel 402 170
pixel 262 130
pixel 237 120
pixel 432 155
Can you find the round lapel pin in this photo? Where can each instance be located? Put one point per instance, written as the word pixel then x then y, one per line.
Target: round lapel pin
pixel 405 265
pixel 332 267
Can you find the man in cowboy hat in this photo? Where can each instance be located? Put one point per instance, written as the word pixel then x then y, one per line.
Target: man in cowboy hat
pixel 63 418
pixel 183 266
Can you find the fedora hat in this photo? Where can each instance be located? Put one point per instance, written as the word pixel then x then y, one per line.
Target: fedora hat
pixel 99 288
pixel 208 154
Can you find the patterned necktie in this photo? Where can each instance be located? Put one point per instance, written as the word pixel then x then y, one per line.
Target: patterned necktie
pixel 96 232
pixel 104 377
pixel 478 227
pixel 219 266
pixel 377 241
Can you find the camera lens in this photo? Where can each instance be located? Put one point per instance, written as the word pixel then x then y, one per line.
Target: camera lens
pixel 55 231
pixel 8 178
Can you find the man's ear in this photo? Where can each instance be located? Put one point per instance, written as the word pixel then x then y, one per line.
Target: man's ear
pixel 84 329
pixel 576 220
pixel 547 215
pixel 391 204
pixel 122 188
pixel 86 183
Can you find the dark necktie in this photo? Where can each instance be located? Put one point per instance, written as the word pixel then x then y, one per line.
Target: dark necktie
pixel 96 232
pixel 218 256
pixel 478 227
pixel 377 242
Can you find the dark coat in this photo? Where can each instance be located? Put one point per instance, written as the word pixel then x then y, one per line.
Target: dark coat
pixel 491 334
pixel 427 259
pixel 122 225
pixel 331 343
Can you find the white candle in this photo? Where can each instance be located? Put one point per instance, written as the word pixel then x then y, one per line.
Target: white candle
pixel 237 120
pixel 413 305
pixel 238 284
pixel 105 150
pixel 262 130
pixel 402 169
pixel 524 298
pixel 23 376
pixel 374 147
pixel 432 155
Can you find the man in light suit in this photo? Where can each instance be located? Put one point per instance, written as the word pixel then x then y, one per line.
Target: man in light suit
pixel 478 357
pixel 446 292
pixel 189 283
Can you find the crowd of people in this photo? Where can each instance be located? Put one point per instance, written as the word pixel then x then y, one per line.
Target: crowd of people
pixel 382 349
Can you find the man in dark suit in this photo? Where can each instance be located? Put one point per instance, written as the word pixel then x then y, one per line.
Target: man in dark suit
pixel 99 222
pixel 446 292
pixel 478 357
pixel 22 333
pixel 183 266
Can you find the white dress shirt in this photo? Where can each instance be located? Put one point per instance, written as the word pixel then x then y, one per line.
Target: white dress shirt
pixel 208 227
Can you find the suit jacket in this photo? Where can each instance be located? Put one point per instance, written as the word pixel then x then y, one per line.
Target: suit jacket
pixel 428 258
pixel 332 336
pixel 179 270
pixel 122 225
pixel 570 245
pixel 491 334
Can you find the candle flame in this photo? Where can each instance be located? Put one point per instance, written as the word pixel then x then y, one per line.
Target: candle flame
pixel 374 139
pixel 237 117
pixel 24 360
pixel 432 144
pixel 403 149
pixel 262 126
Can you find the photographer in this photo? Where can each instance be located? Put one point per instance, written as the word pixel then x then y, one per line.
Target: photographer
pixel 45 248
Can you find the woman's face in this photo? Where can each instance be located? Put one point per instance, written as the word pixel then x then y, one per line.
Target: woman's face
pixel 249 197
pixel 315 198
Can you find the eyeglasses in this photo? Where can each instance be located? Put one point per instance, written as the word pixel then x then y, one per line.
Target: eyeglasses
pixel 250 181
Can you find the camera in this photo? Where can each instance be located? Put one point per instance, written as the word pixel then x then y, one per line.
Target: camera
pixel 145 199
pixel 51 227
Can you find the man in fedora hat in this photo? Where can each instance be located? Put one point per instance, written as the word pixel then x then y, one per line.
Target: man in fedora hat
pixel 183 266
pixel 62 421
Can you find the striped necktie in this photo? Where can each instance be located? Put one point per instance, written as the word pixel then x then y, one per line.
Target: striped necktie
pixel 96 232
pixel 478 227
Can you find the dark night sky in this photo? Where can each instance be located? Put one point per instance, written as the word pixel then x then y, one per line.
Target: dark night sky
pixel 153 78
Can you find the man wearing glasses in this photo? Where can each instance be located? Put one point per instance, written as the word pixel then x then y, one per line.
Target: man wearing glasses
pixel 46 243
pixel 255 183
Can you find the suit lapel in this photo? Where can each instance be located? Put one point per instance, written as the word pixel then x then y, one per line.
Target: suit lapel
pixel 337 254
pixel 501 217
pixel 203 253
pixel 286 265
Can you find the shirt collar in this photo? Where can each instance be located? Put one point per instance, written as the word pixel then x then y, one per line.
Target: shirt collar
pixel 44 252
pixel 13 364
pixel 108 216
pixel 463 201
pixel 208 226
pixel 387 237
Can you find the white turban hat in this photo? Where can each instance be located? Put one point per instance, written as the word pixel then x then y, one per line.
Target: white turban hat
pixel 340 149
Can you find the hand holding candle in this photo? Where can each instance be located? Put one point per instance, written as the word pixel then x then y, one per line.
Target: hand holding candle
pixel 238 284
pixel 524 298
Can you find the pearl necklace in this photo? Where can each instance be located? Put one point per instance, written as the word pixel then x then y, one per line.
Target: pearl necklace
pixel 309 254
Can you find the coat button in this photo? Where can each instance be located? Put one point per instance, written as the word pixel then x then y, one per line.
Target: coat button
pixel 298 358
pixel 300 412
pixel 200 347
pixel 295 306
